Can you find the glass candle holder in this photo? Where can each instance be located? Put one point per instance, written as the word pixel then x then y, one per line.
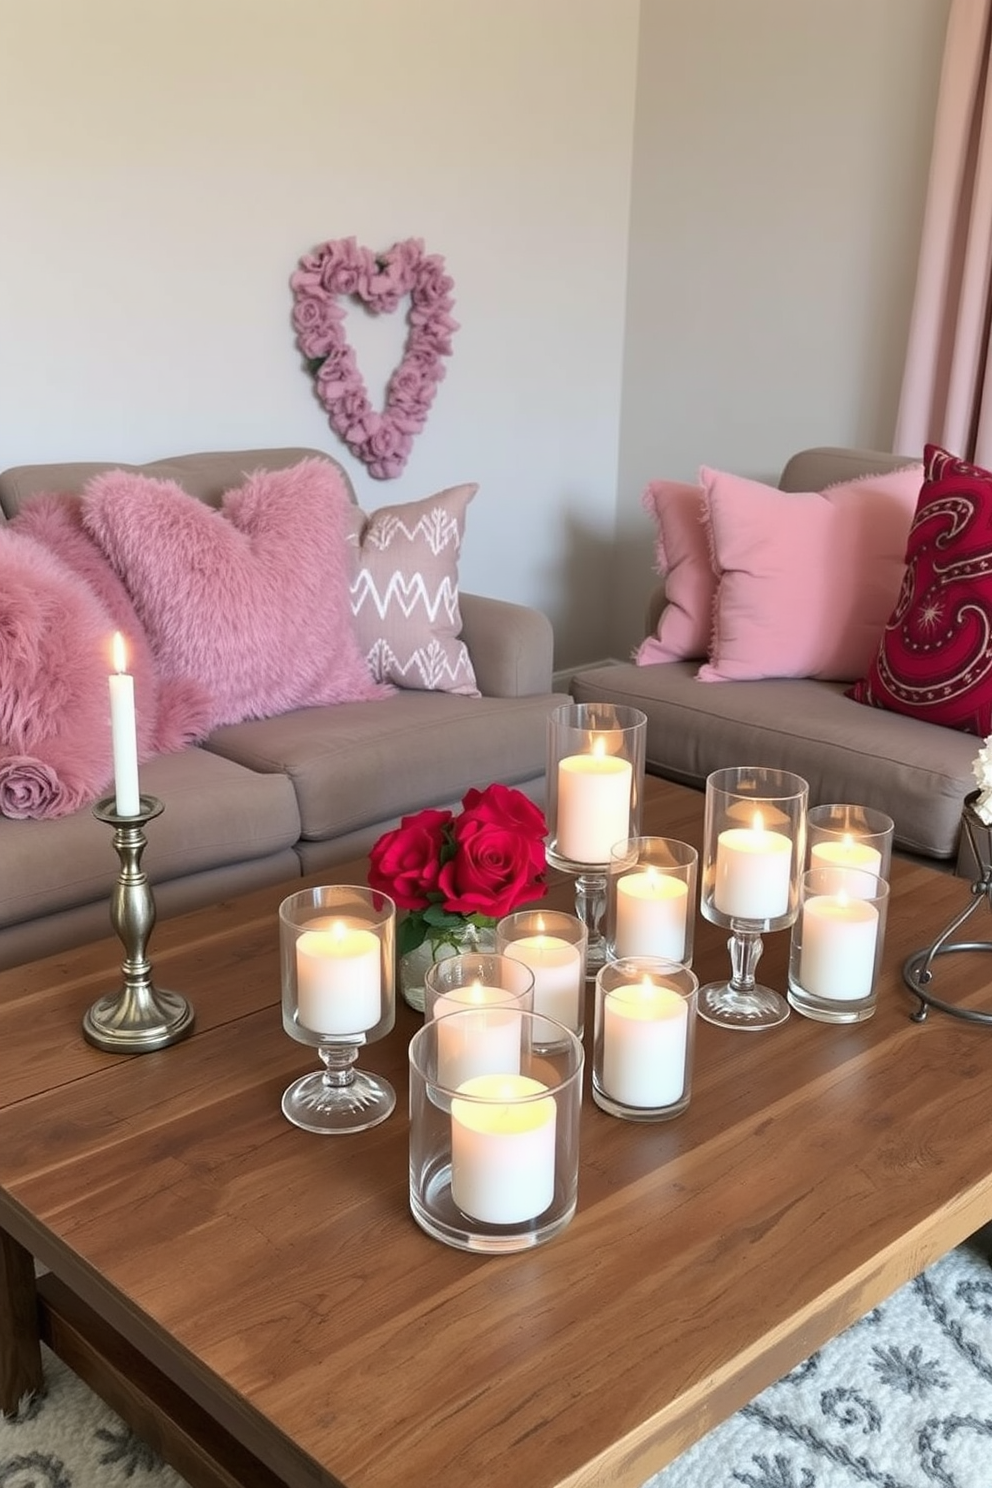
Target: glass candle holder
pixel 595 786
pixel 338 953
pixel 553 946
pixel 842 837
pixel 644 1038
pixel 754 853
pixel 651 899
pixel 494 1159
pixel 494 990
pixel 837 940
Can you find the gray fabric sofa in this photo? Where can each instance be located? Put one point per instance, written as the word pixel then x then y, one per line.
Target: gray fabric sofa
pixel 919 773
pixel 268 800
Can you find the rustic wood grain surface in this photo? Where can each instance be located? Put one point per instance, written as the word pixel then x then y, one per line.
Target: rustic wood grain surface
pixel 279 1277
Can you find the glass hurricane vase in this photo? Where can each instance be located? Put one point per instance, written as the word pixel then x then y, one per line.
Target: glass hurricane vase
pixel 439 945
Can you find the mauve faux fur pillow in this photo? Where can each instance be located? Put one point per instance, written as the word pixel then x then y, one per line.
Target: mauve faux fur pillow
pixel 251 599
pixel 55 749
pixel 169 714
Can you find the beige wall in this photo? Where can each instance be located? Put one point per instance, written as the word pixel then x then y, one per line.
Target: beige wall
pixel 780 164
pixel 164 163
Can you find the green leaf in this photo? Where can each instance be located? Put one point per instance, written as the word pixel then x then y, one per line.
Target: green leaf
pixel 314 364
pixel 410 933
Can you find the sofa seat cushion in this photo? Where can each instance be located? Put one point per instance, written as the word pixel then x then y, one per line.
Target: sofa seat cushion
pixel 381 760
pixel 917 772
pixel 216 814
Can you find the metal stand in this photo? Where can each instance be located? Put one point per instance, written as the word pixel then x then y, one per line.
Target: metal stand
pixel 139 1016
pixel 917 971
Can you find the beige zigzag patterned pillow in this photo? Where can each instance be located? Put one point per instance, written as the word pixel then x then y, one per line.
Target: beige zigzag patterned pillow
pixel 404 596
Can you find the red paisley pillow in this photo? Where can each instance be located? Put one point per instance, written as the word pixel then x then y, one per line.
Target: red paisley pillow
pixel 935 658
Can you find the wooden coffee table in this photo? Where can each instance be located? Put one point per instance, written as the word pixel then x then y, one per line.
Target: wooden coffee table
pixel 270 1292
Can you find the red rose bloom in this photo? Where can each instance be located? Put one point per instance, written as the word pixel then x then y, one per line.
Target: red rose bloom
pixel 506 807
pixel 495 868
pixel 405 863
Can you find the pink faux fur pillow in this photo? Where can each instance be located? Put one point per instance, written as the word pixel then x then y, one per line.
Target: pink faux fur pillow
pixel 55 750
pixel 169 714
pixel 251 600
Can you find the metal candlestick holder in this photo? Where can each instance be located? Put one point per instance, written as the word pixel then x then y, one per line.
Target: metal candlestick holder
pixel 139 1016
pixel 917 971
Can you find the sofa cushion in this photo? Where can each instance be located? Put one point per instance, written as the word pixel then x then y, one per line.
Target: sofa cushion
pixel 55 746
pixel 382 760
pixel 682 555
pixel 934 659
pixel 806 580
pixel 404 594
pixel 216 814
pixel 250 600
pixel 170 713
pixel 918 773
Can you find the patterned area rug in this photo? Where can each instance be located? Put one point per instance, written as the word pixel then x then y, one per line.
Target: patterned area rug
pixel 903 1399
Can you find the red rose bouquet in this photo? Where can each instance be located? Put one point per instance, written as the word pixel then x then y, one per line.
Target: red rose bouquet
pixel 450 871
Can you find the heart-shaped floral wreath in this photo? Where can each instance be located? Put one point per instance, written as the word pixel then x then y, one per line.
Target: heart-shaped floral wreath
pixel 379 281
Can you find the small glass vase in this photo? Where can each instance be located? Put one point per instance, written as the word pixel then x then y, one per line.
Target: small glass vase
pixel 454 941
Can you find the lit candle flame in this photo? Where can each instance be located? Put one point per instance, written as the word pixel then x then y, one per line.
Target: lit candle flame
pixel 119 653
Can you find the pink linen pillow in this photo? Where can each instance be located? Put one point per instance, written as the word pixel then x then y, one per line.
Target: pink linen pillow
pixel 806 580
pixel 682 555
pixel 55 749
pixel 251 599
pixel 169 713
pixel 404 593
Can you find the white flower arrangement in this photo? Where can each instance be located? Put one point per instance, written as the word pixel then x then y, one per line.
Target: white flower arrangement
pixel 983 774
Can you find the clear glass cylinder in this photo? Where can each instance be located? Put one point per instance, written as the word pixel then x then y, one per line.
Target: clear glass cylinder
pixel 595 782
pixel 754 847
pixel 837 940
pixel 644 1038
pixel 553 946
pixel 494 1159
pixel 338 953
pixel 651 899
pixel 842 837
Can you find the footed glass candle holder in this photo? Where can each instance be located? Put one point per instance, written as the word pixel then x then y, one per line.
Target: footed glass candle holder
pixel 850 837
pixel 651 900
pixel 552 946
pixel 644 1038
pixel 494 1159
pixel 754 852
pixel 338 952
pixel 836 950
pixel 595 785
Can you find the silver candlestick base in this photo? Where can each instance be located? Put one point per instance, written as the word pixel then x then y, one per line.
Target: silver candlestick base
pixel 138 1016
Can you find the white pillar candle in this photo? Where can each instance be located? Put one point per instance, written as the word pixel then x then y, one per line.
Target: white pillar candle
pixel 593 804
pixel 645 1036
pixel 503 1150
pixel 840 858
pixel 338 980
pixel 838 947
pixel 753 872
pixel 485 1040
pixel 559 979
pixel 123 733
pixel 651 910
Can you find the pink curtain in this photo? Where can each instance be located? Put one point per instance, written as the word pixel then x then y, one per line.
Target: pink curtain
pixel 947 384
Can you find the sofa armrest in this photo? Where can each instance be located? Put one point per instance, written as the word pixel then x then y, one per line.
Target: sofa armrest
pixel 511 646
